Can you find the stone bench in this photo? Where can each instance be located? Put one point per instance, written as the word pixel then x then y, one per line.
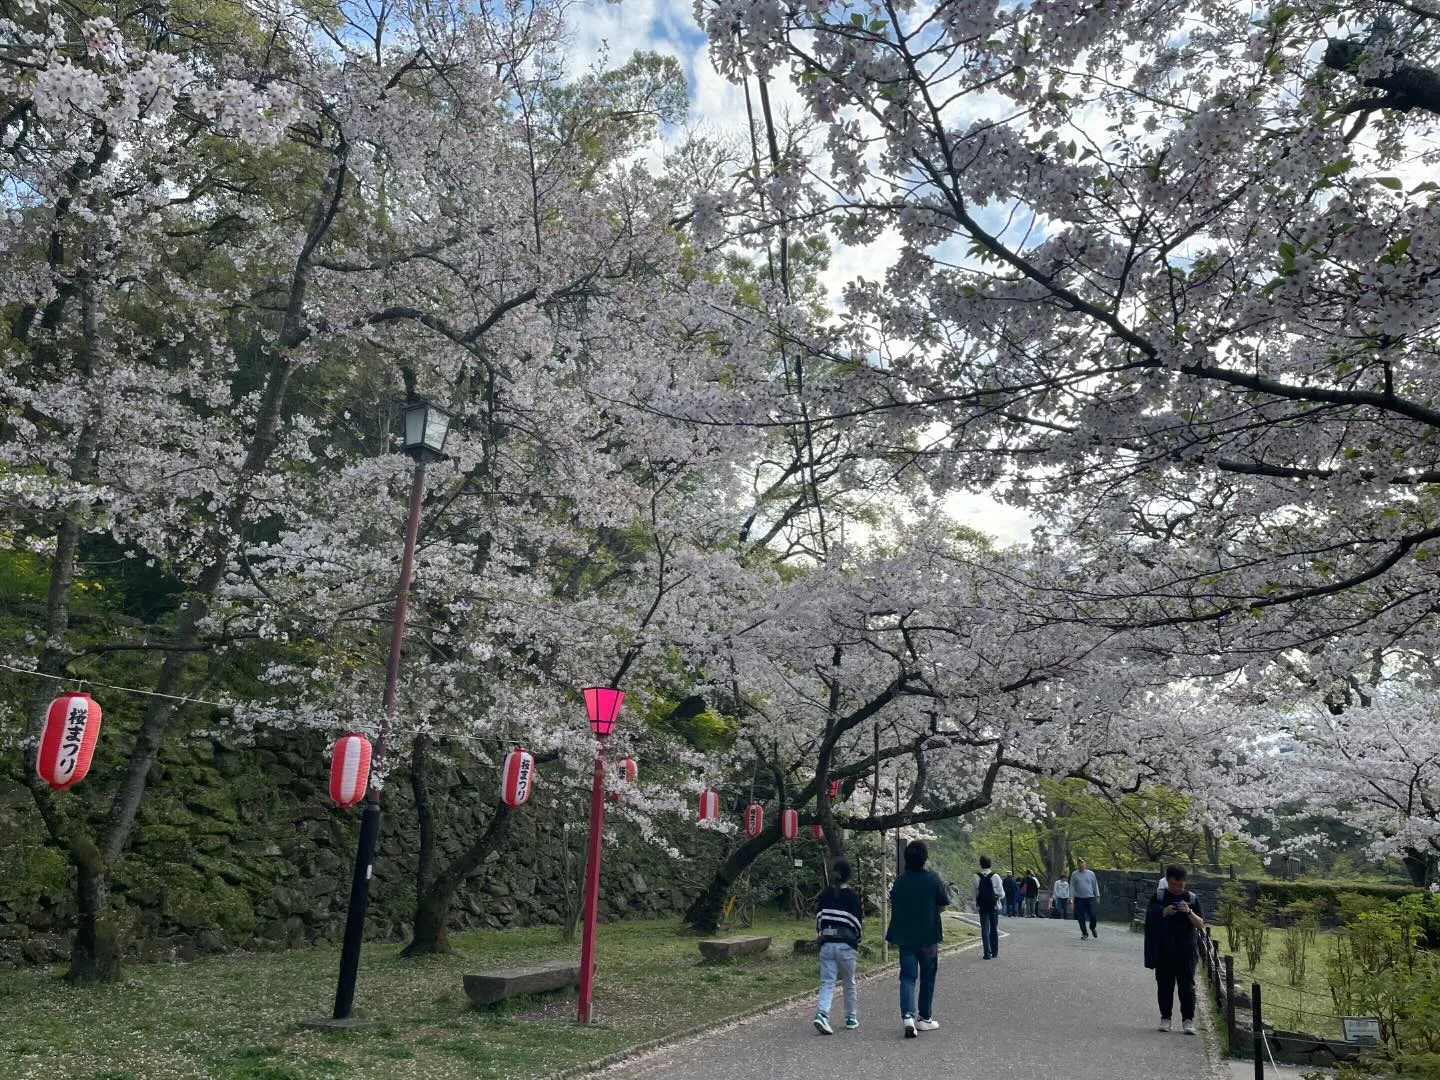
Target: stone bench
pixel 725 948
pixel 497 984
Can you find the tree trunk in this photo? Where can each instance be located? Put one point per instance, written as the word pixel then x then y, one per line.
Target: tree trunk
pixel 1212 846
pixel 432 906
pixel 705 910
pixel 95 955
pixel 1420 865
pixel 430 937
pixel 570 886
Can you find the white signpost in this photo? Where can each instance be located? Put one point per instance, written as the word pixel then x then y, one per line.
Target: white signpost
pixel 1361 1030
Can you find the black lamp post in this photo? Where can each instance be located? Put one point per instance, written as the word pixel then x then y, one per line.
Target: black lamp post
pixel 425 429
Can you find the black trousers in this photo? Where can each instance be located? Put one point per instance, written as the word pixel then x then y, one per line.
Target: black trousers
pixel 1085 911
pixel 1169 977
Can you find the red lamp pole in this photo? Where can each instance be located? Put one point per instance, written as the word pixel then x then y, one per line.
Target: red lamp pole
pixel 602 705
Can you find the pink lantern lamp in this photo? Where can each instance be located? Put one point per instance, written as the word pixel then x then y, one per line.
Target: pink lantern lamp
pixel 602 705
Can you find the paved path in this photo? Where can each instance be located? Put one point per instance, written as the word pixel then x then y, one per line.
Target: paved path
pixel 1050 1006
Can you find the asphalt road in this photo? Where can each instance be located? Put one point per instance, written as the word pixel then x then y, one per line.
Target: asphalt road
pixel 1052 1006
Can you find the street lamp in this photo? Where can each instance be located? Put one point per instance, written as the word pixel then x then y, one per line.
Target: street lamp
pixel 602 706
pixel 425 429
pixel 424 440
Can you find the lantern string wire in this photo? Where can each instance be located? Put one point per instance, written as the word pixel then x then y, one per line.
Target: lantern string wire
pixel 185 699
pixel 182 699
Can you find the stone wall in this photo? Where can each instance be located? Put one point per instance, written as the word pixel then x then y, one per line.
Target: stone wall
pixel 241 848
pixel 1122 890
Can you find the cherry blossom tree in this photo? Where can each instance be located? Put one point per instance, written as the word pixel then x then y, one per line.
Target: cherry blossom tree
pixel 168 300
pixel 1164 275
pixel 1373 761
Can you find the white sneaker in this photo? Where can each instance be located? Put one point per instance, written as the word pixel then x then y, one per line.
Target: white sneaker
pixel 1188 1027
pixel 1165 1024
pixel 909 1027
pixel 926 1025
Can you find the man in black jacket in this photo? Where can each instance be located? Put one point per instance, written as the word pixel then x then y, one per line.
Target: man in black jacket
pixel 1171 923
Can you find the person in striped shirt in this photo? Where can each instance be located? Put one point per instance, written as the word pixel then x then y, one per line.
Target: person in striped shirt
pixel 839 925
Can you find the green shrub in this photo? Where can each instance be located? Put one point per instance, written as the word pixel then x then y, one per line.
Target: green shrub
pixel 1353 904
pixel 1302 926
pixel 1326 894
pixel 1233 903
pixel 1379 968
pixel 1253 925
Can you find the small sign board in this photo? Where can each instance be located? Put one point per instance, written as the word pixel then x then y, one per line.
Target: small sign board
pixel 1361 1030
pixel 799 864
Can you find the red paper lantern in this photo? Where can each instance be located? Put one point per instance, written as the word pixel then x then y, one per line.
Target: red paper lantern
pixel 350 769
pixel 754 819
pixel 517 777
pixel 817 832
pixel 789 823
pixel 67 742
pixel 709 806
pixel 835 788
pixel 628 772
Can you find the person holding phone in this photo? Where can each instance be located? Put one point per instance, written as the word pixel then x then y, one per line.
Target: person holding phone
pixel 1171 923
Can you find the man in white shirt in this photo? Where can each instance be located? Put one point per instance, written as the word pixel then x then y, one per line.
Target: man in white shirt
pixel 1061 892
pixel 987 905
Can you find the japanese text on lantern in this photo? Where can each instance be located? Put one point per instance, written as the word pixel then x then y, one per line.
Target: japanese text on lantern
pixel 75 721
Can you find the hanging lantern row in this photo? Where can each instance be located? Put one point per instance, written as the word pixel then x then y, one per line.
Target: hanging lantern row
pixel 67 743
pixel 350 769
pixel 709 811
pixel 835 788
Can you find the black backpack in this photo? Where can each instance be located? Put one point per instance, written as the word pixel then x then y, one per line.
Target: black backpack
pixel 985 894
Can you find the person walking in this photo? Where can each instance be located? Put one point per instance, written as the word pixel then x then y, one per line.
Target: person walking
pixel 989 891
pixel 839 925
pixel 1171 923
pixel 1060 891
pixel 1012 895
pixel 916 899
pixel 1085 891
pixel 1032 895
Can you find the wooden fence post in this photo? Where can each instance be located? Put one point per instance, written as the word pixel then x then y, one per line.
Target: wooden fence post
pixel 1230 1002
pixel 1259 1024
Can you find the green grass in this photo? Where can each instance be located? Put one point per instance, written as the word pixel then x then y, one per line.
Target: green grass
pixel 237 1017
pixel 1284 1006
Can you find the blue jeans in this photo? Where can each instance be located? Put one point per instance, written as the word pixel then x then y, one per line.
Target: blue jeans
pixel 918 964
pixel 990 932
pixel 836 960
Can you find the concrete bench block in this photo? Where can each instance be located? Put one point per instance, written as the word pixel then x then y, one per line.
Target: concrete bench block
pixel 488 987
pixel 725 948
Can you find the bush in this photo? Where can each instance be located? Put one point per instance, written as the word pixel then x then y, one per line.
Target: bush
pixel 1234 903
pixel 1379 968
pixel 1302 926
pixel 1253 927
pixel 1325 895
